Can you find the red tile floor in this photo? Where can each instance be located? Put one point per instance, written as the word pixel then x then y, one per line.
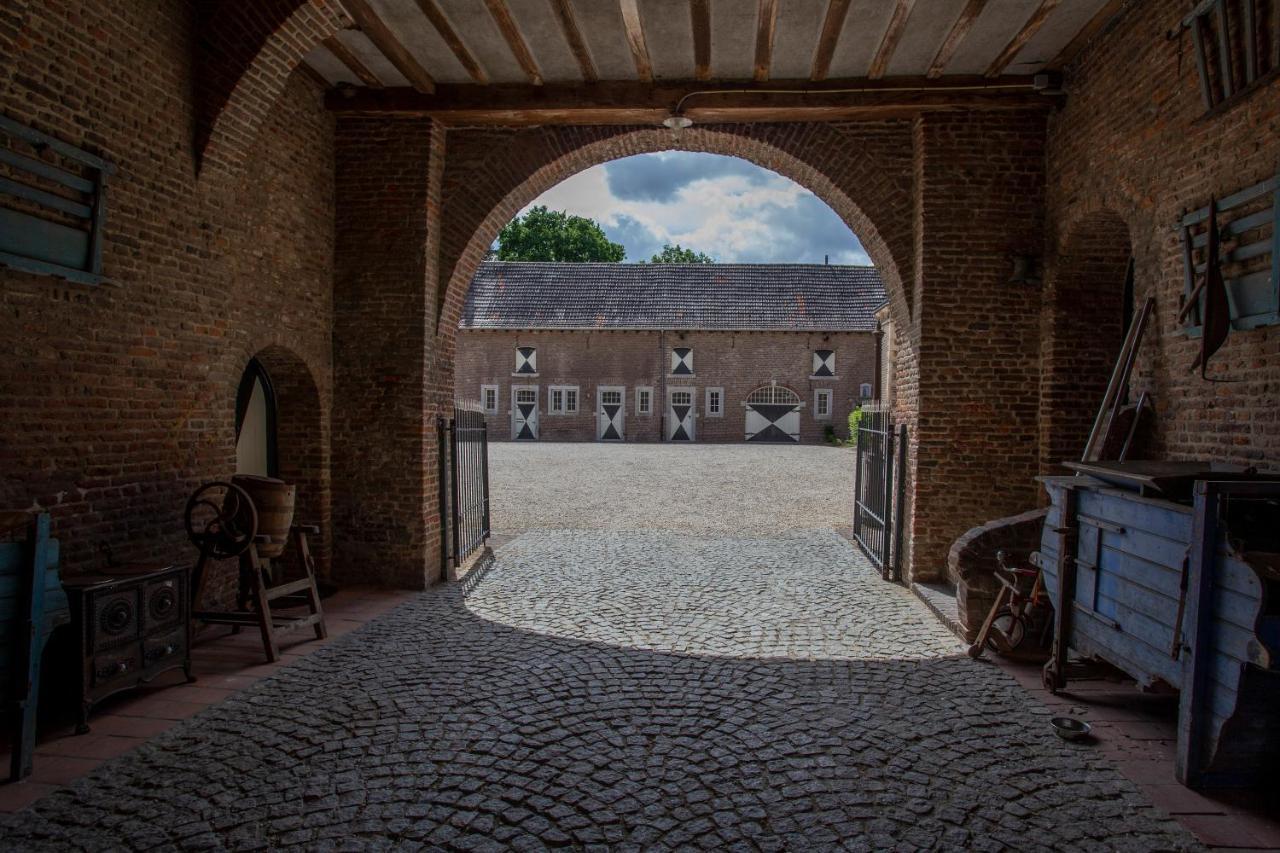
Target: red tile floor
pixel 223 664
pixel 1138 732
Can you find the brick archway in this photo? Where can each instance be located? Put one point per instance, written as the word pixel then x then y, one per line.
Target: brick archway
pixel 490 175
pixel 1082 329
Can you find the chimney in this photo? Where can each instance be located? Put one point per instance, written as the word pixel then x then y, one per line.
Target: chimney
pixel 826 260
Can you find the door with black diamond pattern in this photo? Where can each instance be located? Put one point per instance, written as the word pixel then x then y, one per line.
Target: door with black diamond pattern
pixel 524 412
pixel 610 413
pixel 680 415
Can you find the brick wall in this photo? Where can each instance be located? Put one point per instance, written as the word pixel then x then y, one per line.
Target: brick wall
pixel 1134 145
pixel 737 362
pixel 117 400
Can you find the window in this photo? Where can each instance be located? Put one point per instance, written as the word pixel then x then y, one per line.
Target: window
pixel 715 402
pixel 822 403
pixel 644 401
pixel 864 390
pixel 824 362
pixel 489 399
pixel 526 361
pixel 563 399
pixel 682 361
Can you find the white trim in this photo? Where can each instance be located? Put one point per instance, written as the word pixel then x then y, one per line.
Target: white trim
pixel 644 412
pixel 820 394
pixel 718 411
pixel 497 398
pixel 563 408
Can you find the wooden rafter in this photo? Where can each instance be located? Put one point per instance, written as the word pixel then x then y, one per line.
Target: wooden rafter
pixel 766 28
pixel 436 16
pixel 563 10
pixel 635 38
pixel 385 41
pixel 344 55
pixel 649 103
pixel 892 36
pixel 1082 38
pixel 832 24
pixel 1024 35
pixel 515 39
pixel 314 76
pixel 968 16
pixel 700 19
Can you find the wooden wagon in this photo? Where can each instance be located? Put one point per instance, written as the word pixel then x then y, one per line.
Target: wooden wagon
pixel 1184 595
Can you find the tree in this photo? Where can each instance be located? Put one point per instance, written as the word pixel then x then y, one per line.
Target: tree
pixel 677 254
pixel 550 235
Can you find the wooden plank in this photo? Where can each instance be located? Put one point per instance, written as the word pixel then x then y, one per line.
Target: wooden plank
pixel 635 39
pixel 1024 35
pixel 1198 630
pixel 344 55
pixel 45 170
pixel 54 144
pixel 563 10
pixel 510 30
pixel 766 29
pixel 637 103
pixel 440 21
pixel 29 650
pixel 313 75
pixel 892 36
pixel 385 40
pixel 1081 39
pixel 825 50
pixel 968 16
pixel 27 236
pixel 1249 33
pixel 1202 62
pixel 700 23
pixel 1226 68
pixel 18 262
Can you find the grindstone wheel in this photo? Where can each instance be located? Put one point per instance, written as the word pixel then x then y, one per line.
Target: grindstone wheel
pixel 221 520
pixel 1007 632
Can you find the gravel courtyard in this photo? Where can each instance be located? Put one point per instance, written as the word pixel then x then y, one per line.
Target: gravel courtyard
pixel 625 675
pixel 696 488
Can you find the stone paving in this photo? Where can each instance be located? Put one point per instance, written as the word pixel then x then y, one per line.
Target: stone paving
pixel 629 690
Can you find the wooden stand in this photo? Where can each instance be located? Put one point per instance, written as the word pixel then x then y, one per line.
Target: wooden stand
pixel 257 595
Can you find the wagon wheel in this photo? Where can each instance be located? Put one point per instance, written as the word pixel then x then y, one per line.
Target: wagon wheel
pixel 221 520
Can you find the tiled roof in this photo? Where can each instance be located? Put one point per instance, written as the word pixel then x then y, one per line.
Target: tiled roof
pixel 819 297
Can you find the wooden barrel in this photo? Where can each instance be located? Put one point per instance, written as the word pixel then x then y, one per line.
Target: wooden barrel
pixel 274 501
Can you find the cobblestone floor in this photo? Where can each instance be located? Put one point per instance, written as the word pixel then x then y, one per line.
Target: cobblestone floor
pixel 638 690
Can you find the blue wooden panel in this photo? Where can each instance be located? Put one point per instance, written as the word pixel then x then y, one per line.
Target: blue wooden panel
pixel 1127 509
pixel 32 237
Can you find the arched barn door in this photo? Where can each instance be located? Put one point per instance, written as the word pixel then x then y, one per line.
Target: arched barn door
pixel 773 414
pixel 256 423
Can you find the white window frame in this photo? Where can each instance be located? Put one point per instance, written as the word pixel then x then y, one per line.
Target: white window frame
pixel 563 408
pixel 823 394
pixel 497 399
pixel 640 410
pixel 718 410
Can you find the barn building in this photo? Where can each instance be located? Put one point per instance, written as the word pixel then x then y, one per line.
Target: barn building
pixel 669 352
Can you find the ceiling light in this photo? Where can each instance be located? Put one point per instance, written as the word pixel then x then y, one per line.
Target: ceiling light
pixel 676 122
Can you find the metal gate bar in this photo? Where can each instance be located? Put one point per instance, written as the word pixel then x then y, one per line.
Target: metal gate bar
pixel 873 505
pixel 464 503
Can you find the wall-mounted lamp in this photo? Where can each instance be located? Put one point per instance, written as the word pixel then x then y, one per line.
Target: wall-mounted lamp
pixel 1025 270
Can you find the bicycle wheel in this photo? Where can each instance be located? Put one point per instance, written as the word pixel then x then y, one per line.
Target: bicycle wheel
pixel 1007 632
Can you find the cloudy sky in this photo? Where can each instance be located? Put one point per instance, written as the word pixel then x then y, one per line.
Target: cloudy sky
pixel 729 208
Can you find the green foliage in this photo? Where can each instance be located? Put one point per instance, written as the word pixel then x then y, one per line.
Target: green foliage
pixel 551 235
pixel 855 420
pixel 677 254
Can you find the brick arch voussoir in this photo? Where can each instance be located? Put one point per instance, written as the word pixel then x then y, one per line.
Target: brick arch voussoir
pixel 476 210
pixel 247 52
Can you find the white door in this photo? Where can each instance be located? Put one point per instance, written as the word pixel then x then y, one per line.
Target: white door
pixel 610 413
pixel 773 414
pixel 524 412
pixel 680 415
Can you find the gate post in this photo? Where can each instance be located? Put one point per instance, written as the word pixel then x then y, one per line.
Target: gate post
pixel 442 471
pixel 484 467
pixel 857 479
pixel 886 570
pixel 897 504
pixel 453 481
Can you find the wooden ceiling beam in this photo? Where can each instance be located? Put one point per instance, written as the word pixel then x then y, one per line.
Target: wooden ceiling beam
pixel 563 10
pixel 1096 24
pixel 344 55
pixel 515 39
pixel 648 104
pixel 892 36
pixel 700 20
pixel 314 76
pixel 766 29
pixel 385 41
pixel 1024 35
pixel 635 38
pixel 436 16
pixel 968 16
pixel 832 24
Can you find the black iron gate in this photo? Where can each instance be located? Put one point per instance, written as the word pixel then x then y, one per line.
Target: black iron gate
pixel 464 483
pixel 877 527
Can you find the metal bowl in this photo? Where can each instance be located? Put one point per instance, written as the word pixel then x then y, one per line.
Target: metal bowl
pixel 1069 728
